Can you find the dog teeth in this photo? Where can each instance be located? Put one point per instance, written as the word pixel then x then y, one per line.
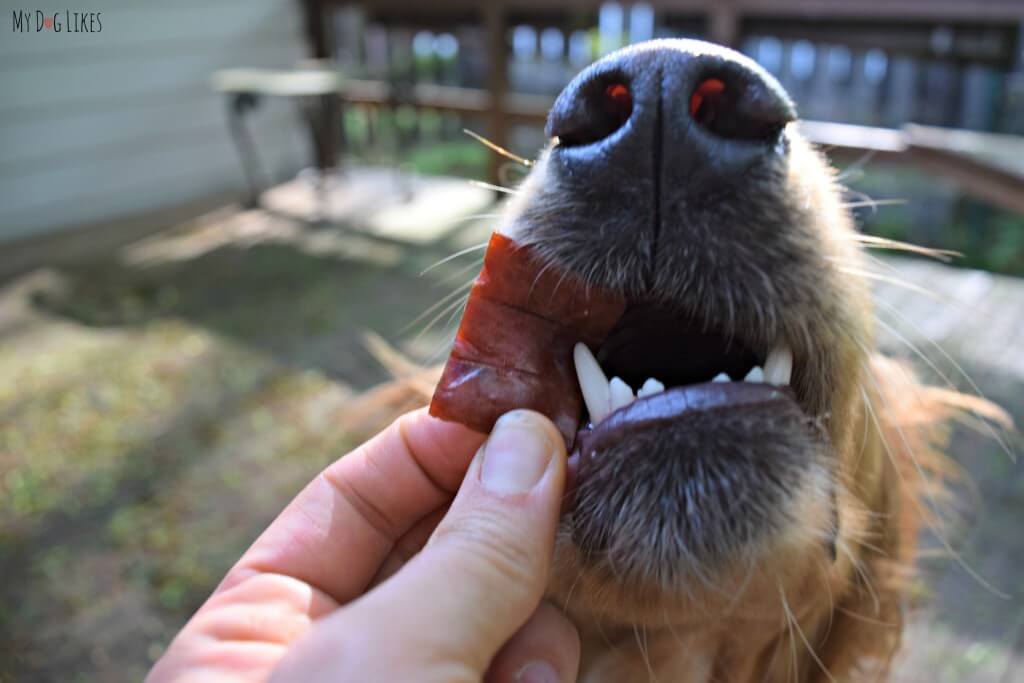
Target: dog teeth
pixel 756 374
pixel 620 394
pixel 650 387
pixel 602 396
pixel 593 383
pixel 778 367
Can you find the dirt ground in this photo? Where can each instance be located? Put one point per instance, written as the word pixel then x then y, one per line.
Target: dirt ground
pixel 158 406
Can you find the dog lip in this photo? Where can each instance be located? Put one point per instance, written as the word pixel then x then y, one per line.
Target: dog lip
pixel 678 403
pixel 671 409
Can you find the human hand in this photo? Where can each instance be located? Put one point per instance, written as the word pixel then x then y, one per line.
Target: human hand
pixel 369 576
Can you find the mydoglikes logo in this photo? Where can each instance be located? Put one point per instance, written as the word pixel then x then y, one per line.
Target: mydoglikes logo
pixel 61 21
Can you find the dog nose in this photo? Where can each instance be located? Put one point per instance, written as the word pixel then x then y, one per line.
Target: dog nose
pixel 697 106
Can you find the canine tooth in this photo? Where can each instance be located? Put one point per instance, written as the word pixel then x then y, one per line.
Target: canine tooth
pixel 721 377
pixel 650 387
pixel 756 374
pixel 620 394
pixel 593 383
pixel 778 367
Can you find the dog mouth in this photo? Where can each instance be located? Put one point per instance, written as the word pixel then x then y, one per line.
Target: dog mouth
pixel 660 369
pixel 653 349
pixel 692 452
pixel 688 444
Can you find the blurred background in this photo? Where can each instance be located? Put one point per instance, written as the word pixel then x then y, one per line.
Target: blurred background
pixel 208 209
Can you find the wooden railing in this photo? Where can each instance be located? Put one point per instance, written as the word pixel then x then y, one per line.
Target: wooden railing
pixel 984 165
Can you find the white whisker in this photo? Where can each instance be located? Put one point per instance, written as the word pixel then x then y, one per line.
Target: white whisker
pixel 461 272
pixel 871 275
pixel 861 617
pixel 644 652
pixel 858 566
pixel 873 203
pixel 433 307
pixel 939 530
pixel 441 350
pixel 492 186
pixel 803 637
pixel 451 257
pixel 788 617
pixel 453 305
pixel 871 241
pixel 572 588
pixel 497 148
pixel 856 167
pixel 959 369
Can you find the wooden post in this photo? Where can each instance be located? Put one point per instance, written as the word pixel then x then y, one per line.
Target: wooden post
pixel 723 23
pixel 497 80
pixel 315 20
pixel 325 128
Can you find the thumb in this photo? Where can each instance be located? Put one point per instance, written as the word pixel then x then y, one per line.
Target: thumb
pixel 482 574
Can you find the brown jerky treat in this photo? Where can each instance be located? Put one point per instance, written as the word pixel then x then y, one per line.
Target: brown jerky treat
pixel 514 344
pixel 477 395
pixel 513 275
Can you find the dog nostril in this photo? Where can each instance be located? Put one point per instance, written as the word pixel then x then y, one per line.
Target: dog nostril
pixel 737 111
pixel 619 102
pixel 704 99
pixel 598 110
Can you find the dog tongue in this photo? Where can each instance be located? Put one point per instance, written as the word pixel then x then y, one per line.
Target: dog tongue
pixel 515 341
pixel 680 406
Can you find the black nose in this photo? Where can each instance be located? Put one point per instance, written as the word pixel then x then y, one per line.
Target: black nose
pixel 701 104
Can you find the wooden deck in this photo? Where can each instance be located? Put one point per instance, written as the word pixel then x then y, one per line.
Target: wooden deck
pixel 144 377
pixel 986 166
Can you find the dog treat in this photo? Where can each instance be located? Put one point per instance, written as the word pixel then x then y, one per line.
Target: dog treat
pixel 514 347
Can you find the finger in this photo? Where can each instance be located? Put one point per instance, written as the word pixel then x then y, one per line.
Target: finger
pixel 242 632
pixel 339 529
pixel 451 608
pixel 408 545
pixel 545 650
pixel 494 547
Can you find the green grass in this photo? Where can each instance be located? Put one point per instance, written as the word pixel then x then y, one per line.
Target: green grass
pixel 430 143
pixel 142 462
pixel 934 216
pixel 154 418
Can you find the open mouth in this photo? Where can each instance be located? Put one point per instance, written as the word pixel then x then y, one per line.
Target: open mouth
pixel 652 350
pixel 526 340
pixel 689 453
pixel 690 447
pixel 696 438
pixel 660 370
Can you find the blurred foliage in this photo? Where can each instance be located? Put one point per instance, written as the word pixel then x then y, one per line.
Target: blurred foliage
pixel 933 214
pixel 431 143
pixel 988 240
pixel 154 418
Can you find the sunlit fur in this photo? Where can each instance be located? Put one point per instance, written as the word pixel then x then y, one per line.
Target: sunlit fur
pixel 791 610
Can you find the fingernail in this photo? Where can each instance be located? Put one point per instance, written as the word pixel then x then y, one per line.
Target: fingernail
pixel 517 453
pixel 537 672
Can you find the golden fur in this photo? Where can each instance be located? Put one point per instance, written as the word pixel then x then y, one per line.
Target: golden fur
pixel 813 618
pixel 892 469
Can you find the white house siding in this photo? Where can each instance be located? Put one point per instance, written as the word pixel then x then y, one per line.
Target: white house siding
pixel 95 127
